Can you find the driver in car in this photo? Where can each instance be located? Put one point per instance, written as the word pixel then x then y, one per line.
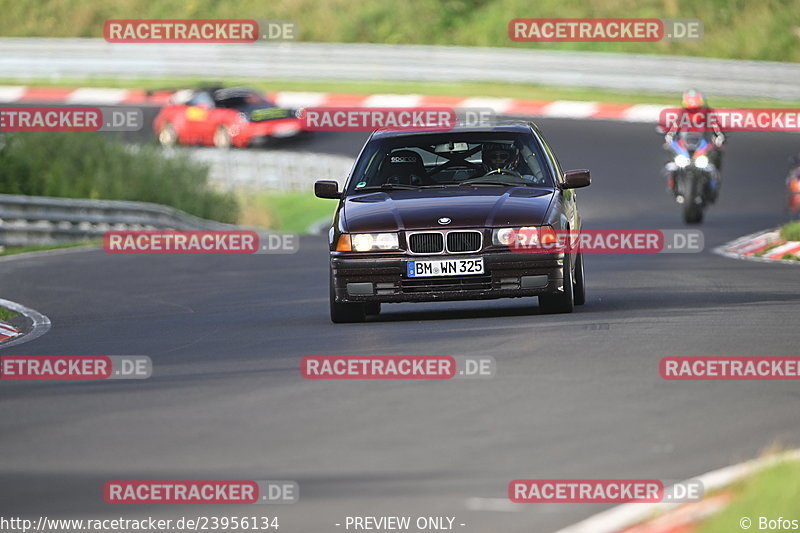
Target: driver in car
pixel 496 156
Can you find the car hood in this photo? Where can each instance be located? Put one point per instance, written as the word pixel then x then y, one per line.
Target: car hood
pixel 465 207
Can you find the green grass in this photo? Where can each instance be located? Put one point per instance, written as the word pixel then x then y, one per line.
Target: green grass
pixel 7 314
pixel 88 165
pixel 741 29
pixel 14 250
pixel 285 211
pixel 466 90
pixel 768 249
pixel 791 231
pixel 771 493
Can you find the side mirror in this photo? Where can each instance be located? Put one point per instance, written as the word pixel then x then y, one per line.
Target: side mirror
pixel 575 179
pixel 327 189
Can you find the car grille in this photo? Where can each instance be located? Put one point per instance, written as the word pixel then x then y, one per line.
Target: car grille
pixel 426 243
pixel 448 284
pixel 463 241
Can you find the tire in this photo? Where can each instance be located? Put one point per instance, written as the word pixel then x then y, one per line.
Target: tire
pixel 373 308
pixel 692 213
pixel 167 136
pixel 222 138
pixel 344 313
pixel 579 290
pixel 563 302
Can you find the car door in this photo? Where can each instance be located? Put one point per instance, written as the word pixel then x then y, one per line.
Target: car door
pixel 198 119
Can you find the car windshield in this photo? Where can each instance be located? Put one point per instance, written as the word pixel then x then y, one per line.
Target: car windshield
pixel 451 159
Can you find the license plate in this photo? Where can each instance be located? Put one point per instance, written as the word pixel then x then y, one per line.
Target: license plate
pixel 444 267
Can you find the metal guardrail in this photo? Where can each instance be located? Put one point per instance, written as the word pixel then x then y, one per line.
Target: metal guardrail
pixel 276 170
pixel 36 220
pixel 26 58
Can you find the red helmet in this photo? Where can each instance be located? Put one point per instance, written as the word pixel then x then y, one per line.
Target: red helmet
pixel 693 99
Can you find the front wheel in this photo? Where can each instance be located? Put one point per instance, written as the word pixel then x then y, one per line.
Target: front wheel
pixel 579 289
pixel 563 302
pixel 692 213
pixel 342 313
pixel 222 138
pixel 167 136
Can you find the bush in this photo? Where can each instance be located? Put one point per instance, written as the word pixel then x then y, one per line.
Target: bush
pixel 89 165
pixel 791 231
pixel 736 29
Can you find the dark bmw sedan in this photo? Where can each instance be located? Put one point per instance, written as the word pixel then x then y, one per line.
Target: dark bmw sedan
pixel 434 216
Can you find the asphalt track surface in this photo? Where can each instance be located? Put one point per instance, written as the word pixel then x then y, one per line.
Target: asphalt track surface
pixel 575 396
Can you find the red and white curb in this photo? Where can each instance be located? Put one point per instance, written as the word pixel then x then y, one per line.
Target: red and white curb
pixel 40 324
pixel 8 332
pixel 748 246
pixel 507 106
pixel 83 96
pixel 677 517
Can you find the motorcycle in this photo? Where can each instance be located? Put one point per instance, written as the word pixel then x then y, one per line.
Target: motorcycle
pixel 692 176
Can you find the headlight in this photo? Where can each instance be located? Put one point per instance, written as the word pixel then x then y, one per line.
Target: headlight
pixel 701 162
pixel 503 236
pixel 370 242
pixel 682 161
pixel 524 236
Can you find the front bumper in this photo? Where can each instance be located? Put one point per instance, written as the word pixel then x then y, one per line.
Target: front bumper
pixel 506 275
pixel 257 133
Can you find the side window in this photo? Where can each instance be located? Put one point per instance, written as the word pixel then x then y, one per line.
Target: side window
pixel 202 98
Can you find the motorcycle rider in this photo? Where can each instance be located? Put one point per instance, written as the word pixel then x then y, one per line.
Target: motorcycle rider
pixel 793 186
pixel 695 118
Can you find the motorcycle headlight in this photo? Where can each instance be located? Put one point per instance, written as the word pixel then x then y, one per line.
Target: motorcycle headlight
pixel 701 162
pixel 372 242
pixel 682 161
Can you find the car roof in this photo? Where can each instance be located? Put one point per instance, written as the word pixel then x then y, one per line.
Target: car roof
pixel 505 126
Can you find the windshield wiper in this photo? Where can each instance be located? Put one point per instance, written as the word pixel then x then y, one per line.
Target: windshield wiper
pixel 387 187
pixel 490 182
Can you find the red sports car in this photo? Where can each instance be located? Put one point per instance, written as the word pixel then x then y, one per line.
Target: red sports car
pixel 224 118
